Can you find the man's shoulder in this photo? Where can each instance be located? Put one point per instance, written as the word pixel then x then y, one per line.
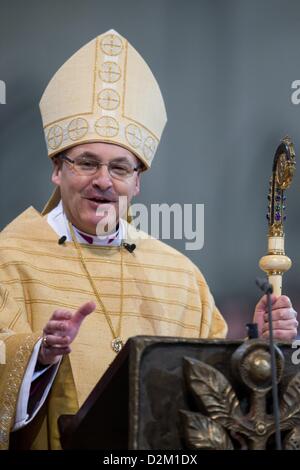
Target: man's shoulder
pixel 28 214
pixel 30 224
pixel 159 249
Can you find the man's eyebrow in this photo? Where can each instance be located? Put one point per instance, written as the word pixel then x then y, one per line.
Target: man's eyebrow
pixel 87 155
pixel 96 157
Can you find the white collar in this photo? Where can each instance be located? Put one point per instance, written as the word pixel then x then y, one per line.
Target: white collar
pixel 58 221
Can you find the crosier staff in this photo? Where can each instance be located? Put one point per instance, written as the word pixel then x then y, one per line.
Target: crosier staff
pixel 275 263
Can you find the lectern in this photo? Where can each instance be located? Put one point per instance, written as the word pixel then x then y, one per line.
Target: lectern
pixel 175 393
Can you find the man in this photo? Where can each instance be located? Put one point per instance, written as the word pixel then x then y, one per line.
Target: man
pixel 64 289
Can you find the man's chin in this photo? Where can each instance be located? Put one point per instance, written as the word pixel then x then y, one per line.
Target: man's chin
pixel 106 225
pixel 100 219
pixel 107 219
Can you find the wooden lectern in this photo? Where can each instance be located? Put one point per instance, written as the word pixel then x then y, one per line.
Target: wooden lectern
pixel 175 393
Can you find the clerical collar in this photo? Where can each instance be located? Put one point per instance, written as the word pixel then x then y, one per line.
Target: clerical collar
pixel 58 221
pixel 97 239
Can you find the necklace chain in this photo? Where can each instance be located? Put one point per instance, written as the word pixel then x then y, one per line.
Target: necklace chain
pixel 117 342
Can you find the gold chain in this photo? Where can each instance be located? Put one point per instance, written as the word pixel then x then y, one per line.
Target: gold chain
pixel 117 342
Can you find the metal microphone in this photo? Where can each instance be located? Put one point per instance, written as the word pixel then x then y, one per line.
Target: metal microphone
pixel 267 288
pixel 130 247
pixel 62 240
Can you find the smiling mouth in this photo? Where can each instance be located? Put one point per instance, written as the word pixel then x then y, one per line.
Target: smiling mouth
pixel 100 200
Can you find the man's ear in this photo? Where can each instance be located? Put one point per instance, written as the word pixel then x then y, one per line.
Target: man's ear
pixel 56 174
pixel 137 184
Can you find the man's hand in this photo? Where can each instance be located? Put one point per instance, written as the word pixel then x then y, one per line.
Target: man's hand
pixel 60 331
pixel 284 318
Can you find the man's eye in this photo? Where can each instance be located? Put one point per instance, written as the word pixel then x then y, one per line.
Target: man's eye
pixel 85 164
pixel 118 168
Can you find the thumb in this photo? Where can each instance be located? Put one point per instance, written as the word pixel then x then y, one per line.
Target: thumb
pixel 263 303
pixel 82 312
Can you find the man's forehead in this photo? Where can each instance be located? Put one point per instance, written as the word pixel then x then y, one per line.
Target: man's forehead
pixel 101 150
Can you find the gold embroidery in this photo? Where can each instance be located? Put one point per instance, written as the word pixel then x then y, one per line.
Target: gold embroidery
pixel 126 313
pixel 144 127
pixel 110 72
pixel 107 126
pixel 104 261
pixel 111 45
pixel 133 135
pixel 65 118
pixel 78 128
pixel 15 319
pixel 39 269
pixel 170 321
pixel 4 300
pixel 156 300
pixel 149 148
pixel 39 253
pixel 111 279
pixel 55 137
pixel 108 99
pixel 94 104
pixel 12 385
pixel 124 78
pixel 124 98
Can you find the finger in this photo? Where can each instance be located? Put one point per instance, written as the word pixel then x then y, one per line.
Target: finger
pixel 53 351
pixel 83 311
pixel 58 341
pixel 56 327
pixel 283 335
pixel 282 314
pixel 260 311
pixel 263 302
pixel 282 302
pixel 61 315
pixel 282 325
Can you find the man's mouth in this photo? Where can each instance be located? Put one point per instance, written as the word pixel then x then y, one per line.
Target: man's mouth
pixel 100 200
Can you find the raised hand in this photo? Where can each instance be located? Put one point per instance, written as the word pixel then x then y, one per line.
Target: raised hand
pixel 60 331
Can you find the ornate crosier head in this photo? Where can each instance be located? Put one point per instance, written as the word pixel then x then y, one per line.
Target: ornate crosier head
pixel 275 263
pixel 284 165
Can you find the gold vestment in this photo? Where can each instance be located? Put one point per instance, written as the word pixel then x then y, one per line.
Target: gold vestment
pixel 163 294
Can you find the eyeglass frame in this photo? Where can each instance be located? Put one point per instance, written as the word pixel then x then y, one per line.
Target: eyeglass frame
pixel 63 157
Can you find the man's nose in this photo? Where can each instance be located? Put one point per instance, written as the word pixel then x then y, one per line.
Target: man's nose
pixel 102 178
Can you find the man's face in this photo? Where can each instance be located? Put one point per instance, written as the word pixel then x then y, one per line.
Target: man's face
pixel 83 195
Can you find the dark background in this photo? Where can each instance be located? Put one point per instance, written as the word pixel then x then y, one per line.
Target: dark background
pixel 225 68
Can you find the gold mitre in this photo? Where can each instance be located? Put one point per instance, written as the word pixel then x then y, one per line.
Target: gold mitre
pixel 105 92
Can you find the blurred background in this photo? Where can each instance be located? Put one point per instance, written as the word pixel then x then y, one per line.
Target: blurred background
pixel 225 68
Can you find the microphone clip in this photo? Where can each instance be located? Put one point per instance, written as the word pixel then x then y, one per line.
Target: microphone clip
pixel 130 247
pixel 62 240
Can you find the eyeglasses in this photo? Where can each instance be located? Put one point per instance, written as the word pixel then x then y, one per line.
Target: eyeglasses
pixel 85 166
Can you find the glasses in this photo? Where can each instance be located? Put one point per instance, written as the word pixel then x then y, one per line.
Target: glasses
pixel 85 166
